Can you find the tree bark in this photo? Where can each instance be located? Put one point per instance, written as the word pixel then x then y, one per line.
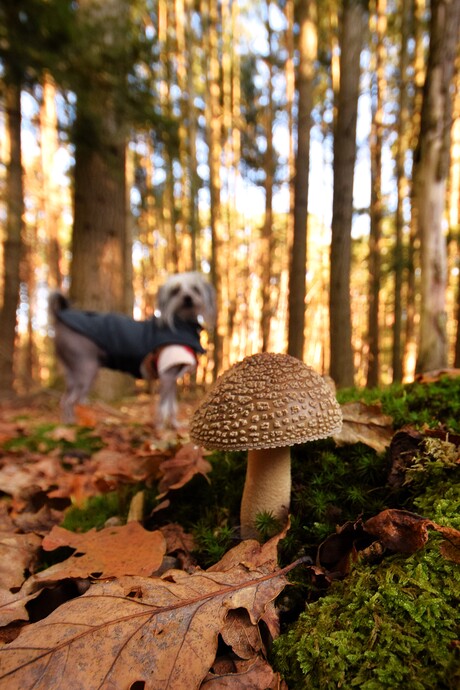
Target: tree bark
pixel 352 32
pixel 431 170
pixel 376 213
pixel 402 146
pixel 297 274
pixel 101 270
pixel 12 246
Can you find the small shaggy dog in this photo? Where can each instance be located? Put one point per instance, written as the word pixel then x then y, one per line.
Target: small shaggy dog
pixel 164 347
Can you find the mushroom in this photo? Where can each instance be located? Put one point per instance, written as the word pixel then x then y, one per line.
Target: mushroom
pixel 265 404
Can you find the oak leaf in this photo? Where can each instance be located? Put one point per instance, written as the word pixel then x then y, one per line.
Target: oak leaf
pixel 366 424
pixel 177 471
pixel 109 552
pixel 17 555
pixel 162 632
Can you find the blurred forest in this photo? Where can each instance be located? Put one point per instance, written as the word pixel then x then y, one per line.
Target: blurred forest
pixel 305 155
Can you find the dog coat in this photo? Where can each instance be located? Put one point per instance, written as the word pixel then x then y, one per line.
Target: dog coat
pixel 125 341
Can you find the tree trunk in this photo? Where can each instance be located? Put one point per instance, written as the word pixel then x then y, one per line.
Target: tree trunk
pixel 297 285
pixel 12 247
pixel 402 146
pixel 352 32
pixel 376 213
pixel 101 268
pixel 431 170
pixel 214 140
pixel 267 244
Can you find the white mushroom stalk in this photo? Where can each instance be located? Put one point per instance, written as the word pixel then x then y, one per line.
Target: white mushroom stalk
pixel 267 488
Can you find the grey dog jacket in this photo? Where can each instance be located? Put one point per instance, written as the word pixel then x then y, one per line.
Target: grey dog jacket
pixel 125 341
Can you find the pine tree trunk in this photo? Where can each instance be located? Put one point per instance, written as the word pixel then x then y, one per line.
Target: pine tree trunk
pixel 431 170
pixel 101 253
pixel 376 212
pixel 298 268
pixel 352 32
pixel 402 185
pixel 214 140
pixel 12 247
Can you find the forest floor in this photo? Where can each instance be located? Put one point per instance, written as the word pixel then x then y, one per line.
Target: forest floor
pixel 121 563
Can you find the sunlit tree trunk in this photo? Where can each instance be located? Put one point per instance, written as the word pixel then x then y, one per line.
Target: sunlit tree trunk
pixel 210 16
pixel 413 251
pixel 12 246
pixel 402 144
pixel 432 166
pixel 267 228
pixel 376 211
pixel 306 71
pixel 50 201
pixel 353 26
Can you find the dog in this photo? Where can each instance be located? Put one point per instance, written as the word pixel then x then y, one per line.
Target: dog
pixel 164 347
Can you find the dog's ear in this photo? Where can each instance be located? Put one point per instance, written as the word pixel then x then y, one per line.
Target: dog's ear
pixel 209 304
pixel 166 316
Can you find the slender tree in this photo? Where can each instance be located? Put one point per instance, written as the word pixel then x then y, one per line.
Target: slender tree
pixel 430 175
pixel 12 248
pixel 376 145
pixel 402 145
pixel 306 71
pixel 352 29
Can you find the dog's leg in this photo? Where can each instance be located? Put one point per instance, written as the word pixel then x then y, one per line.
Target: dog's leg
pixel 80 360
pixel 78 386
pixel 167 406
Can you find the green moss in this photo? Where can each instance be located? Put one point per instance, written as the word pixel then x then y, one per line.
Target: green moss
pixel 393 624
pixel 415 403
pixel 43 439
pixel 388 626
pixel 95 512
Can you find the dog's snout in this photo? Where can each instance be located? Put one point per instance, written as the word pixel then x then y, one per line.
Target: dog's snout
pixel 188 301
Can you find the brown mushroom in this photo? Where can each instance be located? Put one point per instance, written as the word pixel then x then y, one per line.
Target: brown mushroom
pixel 265 404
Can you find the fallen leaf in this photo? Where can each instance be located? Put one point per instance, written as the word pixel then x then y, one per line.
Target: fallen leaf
pixel 180 469
pixel 436 374
pixel 158 632
pixel 399 530
pixel 109 552
pixel 450 547
pixel 18 553
pixel 366 424
pixel 244 675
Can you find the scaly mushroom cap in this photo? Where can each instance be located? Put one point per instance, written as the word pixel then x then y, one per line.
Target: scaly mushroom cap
pixel 267 400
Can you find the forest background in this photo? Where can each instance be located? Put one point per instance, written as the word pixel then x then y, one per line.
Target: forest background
pixel 305 155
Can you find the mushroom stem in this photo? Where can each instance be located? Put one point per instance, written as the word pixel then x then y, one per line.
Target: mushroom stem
pixel 267 487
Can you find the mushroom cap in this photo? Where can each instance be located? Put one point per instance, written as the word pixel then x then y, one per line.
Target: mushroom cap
pixel 267 400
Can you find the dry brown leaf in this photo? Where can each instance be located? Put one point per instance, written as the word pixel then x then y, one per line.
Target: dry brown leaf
pixel 399 530
pixel 450 547
pixel 436 374
pixel 13 607
pixel 17 555
pixel 366 424
pixel 110 552
pixel 177 539
pixel 244 675
pixel 127 466
pixel 180 469
pixel 155 631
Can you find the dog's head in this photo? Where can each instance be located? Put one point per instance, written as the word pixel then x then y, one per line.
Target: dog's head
pixel 188 296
